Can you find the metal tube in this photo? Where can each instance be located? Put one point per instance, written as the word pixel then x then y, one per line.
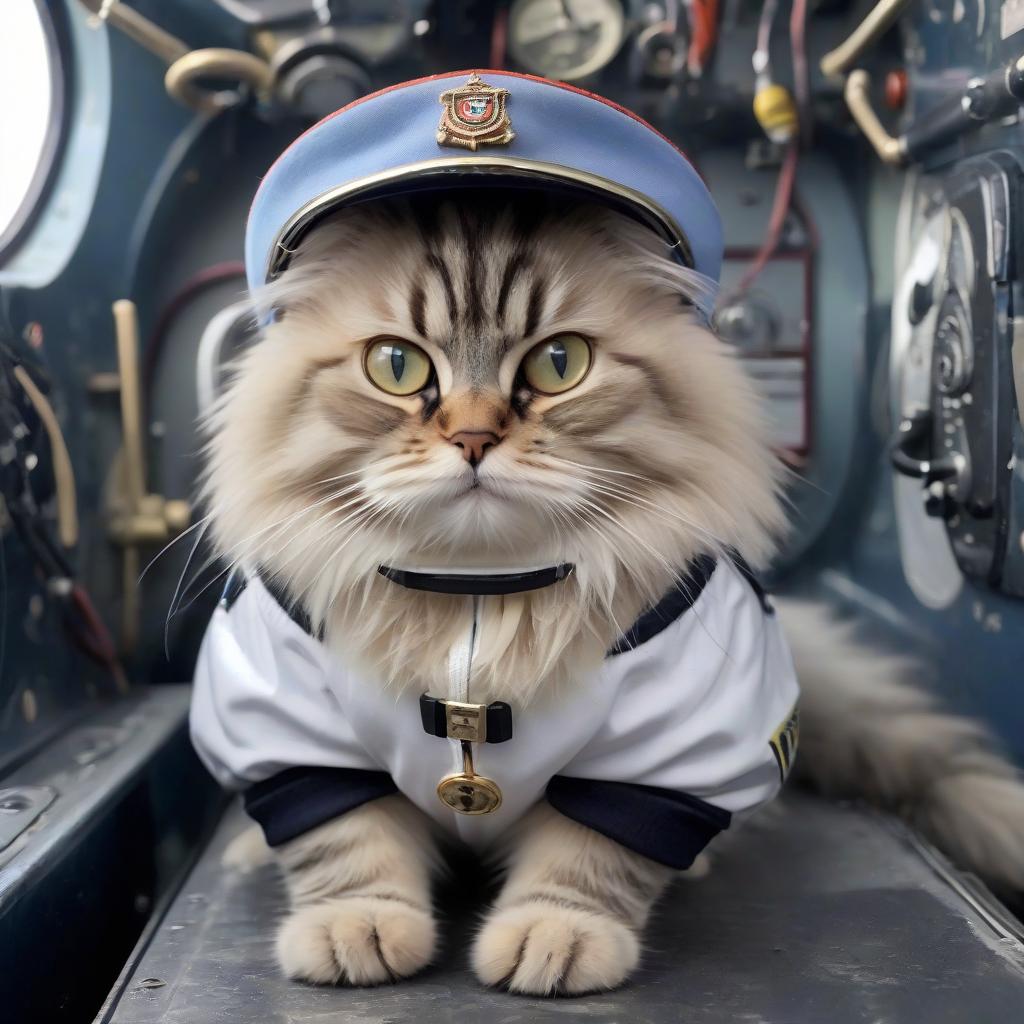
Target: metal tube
pixel 846 54
pixel 890 150
pixel 126 326
pixel 159 42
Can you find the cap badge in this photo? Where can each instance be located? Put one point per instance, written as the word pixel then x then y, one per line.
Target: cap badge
pixel 474 115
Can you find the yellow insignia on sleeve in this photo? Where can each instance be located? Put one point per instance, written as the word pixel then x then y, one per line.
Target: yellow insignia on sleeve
pixel 784 742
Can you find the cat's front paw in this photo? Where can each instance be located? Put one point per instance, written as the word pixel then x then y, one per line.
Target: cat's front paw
pixel 357 941
pixel 543 949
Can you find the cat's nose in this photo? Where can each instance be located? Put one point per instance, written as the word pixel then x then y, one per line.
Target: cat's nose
pixel 475 444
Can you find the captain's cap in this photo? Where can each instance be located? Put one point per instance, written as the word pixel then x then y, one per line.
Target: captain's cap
pixel 486 128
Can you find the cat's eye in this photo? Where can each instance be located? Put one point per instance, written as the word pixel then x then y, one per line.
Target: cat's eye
pixel 397 367
pixel 558 364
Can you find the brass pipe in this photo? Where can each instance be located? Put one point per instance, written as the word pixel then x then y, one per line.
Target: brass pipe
pixel 130 566
pixel 238 65
pixel 138 27
pixel 890 149
pixel 136 516
pixel 63 472
pixel 126 327
pixel 848 52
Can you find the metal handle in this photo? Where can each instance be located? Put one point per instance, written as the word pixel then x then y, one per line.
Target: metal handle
pixel 872 28
pixel 890 149
pixel 913 436
pixel 187 66
pixel 181 80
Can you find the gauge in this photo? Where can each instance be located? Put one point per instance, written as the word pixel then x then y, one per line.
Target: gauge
pixel 566 39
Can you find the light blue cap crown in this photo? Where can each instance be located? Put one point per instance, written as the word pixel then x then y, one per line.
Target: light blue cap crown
pixel 538 134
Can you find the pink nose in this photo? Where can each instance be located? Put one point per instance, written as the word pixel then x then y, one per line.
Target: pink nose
pixel 475 444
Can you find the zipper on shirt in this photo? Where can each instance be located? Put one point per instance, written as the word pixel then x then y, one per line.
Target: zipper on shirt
pixel 460 669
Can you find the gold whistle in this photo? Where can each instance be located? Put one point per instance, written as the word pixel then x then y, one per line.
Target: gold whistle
pixel 466 792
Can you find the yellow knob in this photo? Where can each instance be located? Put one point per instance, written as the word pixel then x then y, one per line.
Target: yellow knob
pixel 776 112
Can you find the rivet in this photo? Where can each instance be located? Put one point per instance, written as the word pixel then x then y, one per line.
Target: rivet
pixel 14 803
pixel 29 706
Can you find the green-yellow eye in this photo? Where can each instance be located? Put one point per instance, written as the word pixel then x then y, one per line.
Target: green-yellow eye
pixel 558 364
pixel 397 367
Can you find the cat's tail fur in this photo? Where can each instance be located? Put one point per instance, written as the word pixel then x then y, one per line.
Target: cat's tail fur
pixel 868 731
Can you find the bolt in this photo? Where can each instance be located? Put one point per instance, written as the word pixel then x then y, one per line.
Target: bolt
pixel 14 803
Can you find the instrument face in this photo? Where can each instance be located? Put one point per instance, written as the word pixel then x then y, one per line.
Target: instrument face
pixel 566 39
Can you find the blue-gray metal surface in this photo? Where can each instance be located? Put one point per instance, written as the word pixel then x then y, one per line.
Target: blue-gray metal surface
pixel 811 913
pixel 124 803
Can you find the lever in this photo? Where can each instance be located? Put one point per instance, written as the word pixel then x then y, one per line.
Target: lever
pixel 912 437
pixel 982 100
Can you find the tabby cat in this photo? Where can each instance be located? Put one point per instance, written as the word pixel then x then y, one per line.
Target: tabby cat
pixel 328 459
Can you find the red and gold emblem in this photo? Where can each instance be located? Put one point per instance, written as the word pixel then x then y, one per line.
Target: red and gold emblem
pixel 474 115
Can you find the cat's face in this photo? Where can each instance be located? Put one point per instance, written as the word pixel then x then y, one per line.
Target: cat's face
pixel 477 389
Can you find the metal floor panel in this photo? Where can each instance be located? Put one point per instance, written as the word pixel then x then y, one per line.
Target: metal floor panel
pixel 812 913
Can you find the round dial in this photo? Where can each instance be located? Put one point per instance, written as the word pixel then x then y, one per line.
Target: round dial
pixel 566 39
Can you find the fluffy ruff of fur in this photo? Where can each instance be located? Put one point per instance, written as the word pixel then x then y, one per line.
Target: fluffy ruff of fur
pixel 658 455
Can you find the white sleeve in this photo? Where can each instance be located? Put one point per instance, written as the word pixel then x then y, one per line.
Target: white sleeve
pixel 702 708
pixel 262 702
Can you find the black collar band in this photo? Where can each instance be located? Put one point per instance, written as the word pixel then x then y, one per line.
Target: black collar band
pixel 477 584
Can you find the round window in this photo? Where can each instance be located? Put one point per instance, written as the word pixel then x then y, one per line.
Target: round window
pixel 31 116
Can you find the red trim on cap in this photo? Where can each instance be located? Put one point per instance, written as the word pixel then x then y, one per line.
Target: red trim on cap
pixel 462 74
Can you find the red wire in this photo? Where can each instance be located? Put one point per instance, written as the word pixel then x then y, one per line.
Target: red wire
pixel 95 640
pixel 780 207
pixel 499 39
pixel 801 81
pixel 704 19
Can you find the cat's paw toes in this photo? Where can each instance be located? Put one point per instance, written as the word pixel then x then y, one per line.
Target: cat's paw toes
pixel 548 950
pixel 357 941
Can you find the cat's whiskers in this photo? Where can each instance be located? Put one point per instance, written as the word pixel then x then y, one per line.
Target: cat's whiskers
pixel 316 538
pixel 679 581
pixel 647 505
pixel 170 544
pixel 370 514
pixel 281 525
pixel 611 487
pixel 177 589
pixel 619 525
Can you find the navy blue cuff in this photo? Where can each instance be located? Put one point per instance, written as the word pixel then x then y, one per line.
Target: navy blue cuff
pixel 668 827
pixel 298 799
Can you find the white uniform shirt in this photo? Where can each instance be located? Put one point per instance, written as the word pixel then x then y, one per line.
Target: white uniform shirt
pixel 693 725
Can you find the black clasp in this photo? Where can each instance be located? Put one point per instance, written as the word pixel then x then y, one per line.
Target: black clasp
pixel 468 722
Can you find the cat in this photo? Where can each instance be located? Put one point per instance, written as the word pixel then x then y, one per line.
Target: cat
pixel 661 455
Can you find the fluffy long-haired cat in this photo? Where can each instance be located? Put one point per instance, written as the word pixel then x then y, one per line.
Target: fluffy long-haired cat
pixel 657 455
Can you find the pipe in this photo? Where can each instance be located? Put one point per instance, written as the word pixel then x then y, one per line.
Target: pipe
pixel 126 327
pixel 890 150
pixel 847 53
pixel 159 42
